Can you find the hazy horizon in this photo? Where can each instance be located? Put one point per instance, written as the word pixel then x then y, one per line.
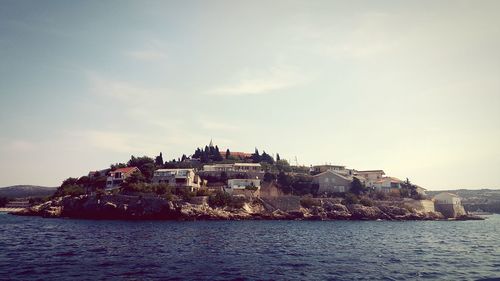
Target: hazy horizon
pixel 412 88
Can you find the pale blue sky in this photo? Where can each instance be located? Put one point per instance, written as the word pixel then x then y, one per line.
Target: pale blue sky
pixel 411 87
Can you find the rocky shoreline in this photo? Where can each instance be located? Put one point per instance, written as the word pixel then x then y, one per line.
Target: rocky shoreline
pixel 156 208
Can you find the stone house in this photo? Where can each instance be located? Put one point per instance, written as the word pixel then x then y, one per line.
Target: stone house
pixel 449 205
pixel 331 181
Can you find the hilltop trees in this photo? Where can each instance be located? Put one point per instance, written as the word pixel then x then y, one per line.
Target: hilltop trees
pixel 256 156
pixel 70 186
pixel 145 164
pixel 266 158
pixel 159 160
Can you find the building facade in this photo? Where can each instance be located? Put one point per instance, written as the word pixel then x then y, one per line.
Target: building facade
pixel 118 176
pixel 178 178
pixel 332 182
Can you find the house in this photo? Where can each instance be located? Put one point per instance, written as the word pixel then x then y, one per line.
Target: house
pixel 235 185
pixel 178 178
pixel 330 181
pixel 449 205
pixel 447 198
pixel 236 167
pixel 250 170
pixel 369 177
pixel 420 190
pixel 386 184
pixel 116 177
pixel 317 169
pixel 237 155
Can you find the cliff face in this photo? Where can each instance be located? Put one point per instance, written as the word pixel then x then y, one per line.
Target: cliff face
pixel 137 207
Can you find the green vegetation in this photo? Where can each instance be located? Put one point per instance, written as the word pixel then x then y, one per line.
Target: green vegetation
pixel 71 186
pixel 223 199
pixel 357 187
pixel 350 199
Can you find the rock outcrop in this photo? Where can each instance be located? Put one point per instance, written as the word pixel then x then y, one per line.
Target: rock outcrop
pixel 140 208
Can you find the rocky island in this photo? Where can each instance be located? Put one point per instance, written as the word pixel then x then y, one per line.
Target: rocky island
pixel 214 185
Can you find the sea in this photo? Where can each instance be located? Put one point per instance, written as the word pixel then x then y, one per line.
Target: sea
pixel 34 248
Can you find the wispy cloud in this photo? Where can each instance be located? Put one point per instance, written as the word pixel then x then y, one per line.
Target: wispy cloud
pixel 264 82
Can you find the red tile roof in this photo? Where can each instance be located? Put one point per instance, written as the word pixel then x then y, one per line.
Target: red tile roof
pixel 126 170
pixel 241 155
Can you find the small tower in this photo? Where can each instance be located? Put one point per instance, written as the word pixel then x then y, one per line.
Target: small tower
pixel 211 143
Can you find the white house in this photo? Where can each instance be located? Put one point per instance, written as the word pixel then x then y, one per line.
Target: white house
pixel 369 177
pixel 178 178
pixel 118 176
pixel 447 198
pixel 241 184
pixel 236 167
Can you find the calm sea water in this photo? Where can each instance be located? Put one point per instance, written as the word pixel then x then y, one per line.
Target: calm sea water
pixel 33 248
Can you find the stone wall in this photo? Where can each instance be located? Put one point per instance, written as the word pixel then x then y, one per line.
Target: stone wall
pixel 450 210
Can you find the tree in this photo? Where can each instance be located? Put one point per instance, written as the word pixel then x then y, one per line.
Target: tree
pixel 70 186
pixel 266 158
pixel 357 187
pixel 228 153
pixel 117 166
pixel 256 156
pixel 145 164
pixel 159 160
pixel 283 165
pixel 269 177
pixel 184 157
pixel 285 182
pixel 217 156
pixel 278 157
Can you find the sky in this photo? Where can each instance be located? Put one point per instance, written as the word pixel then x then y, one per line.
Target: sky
pixel 410 87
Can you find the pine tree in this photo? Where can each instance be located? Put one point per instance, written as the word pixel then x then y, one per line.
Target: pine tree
pixel 278 157
pixel 159 160
pixel 228 153
pixel 256 156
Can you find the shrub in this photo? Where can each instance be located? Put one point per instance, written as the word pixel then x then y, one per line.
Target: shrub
pixel 202 192
pixel 161 189
pixel 251 187
pixel 237 202
pixel 219 199
pixel 366 202
pixel 73 190
pixel 378 195
pixel 350 199
pixel 185 194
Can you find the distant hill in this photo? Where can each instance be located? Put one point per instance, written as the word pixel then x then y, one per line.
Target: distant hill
pixel 21 191
pixel 479 199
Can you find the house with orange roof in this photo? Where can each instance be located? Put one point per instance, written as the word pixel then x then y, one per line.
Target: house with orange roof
pixel 386 184
pixel 118 176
